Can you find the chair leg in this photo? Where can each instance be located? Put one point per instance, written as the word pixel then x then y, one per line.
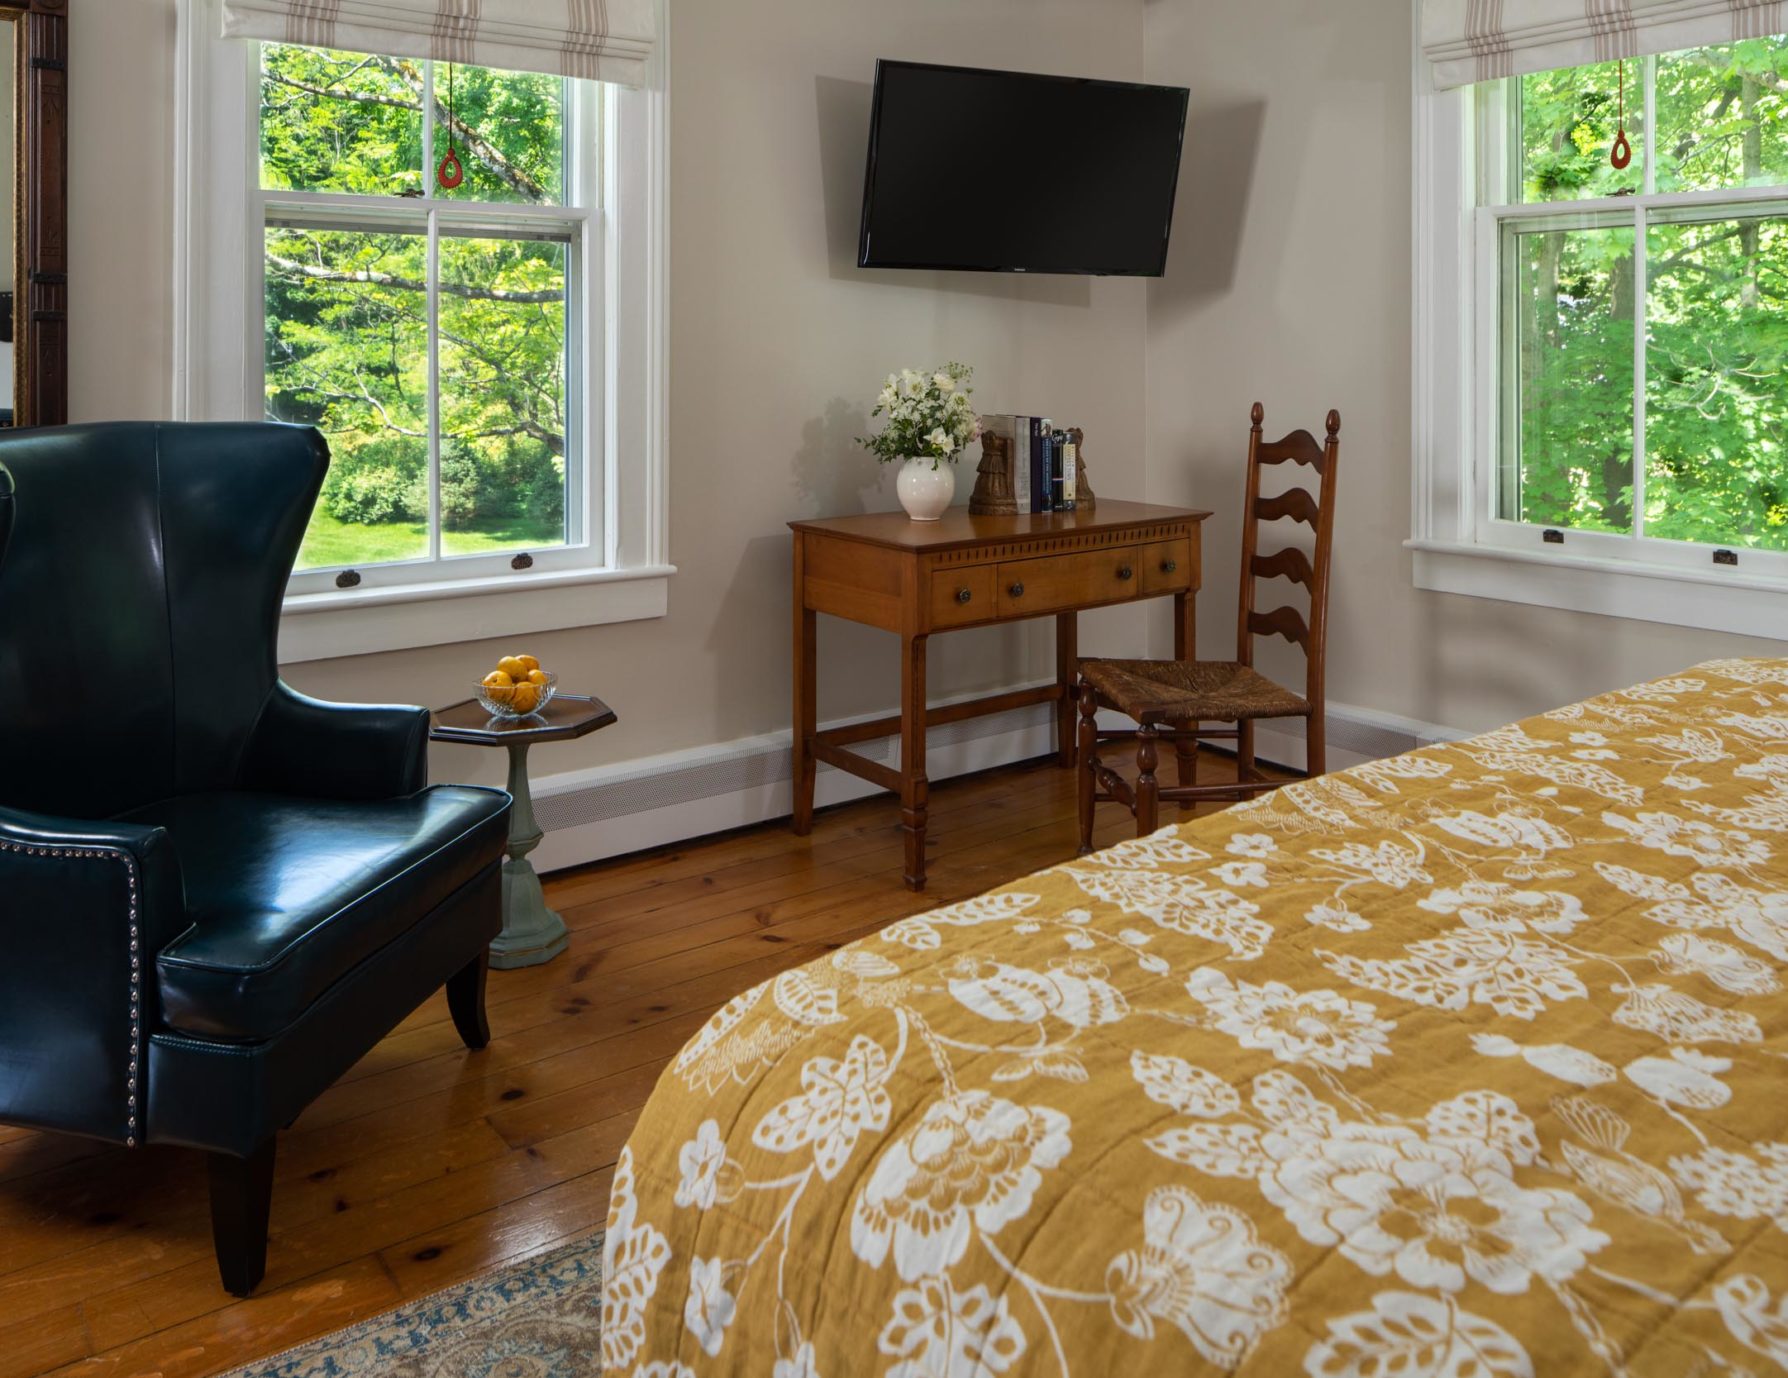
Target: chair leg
pixel 1185 750
pixel 241 1194
pixel 1088 761
pixel 1244 750
pixel 1147 790
pixel 465 1001
pixel 1315 748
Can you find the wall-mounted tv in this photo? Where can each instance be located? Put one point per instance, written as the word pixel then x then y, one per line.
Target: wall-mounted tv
pixel 1013 172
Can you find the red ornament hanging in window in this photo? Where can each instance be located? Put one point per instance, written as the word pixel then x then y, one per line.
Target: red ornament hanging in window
pixel 1622 152
pixel 450 173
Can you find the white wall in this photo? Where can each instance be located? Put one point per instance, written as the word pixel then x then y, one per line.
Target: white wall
pixel 778 343
pixel 120 207
pixel 1289 282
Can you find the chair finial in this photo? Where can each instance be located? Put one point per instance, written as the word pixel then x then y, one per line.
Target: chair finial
pixel 1258 414
pixel 1334 423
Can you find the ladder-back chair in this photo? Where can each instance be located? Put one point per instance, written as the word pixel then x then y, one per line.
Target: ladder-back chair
pixel 1170 699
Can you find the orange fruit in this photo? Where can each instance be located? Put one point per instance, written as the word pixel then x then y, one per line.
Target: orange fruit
pixel 529 661
pixel 498 679
pixel 514 668
pixel 527 698
pixel 538 677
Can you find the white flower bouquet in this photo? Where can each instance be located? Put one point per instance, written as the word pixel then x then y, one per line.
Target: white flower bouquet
pixel 928 415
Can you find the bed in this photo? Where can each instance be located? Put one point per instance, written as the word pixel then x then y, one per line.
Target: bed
pixel 1466 1062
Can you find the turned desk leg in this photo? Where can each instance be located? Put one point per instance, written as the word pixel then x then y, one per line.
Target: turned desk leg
pixel 1067 667
pixel 806 714
pixel 532 933
pixel 914 788
pixel 1087 787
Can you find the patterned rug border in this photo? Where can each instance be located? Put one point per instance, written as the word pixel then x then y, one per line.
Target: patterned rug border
pixel 415 1324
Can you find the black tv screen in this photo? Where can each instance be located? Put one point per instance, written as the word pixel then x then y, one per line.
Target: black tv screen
pixel 1012 172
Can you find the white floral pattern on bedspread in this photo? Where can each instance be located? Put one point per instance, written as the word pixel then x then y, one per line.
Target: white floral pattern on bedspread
pixel 1468 1063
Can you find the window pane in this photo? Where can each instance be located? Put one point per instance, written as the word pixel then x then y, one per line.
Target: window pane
pixel 508 130
pixel 1568 416
pixel 1569 118
pixel 1723 116
pixel 1716 387
pixel 341 122
pixel 502 388
pixel 347 352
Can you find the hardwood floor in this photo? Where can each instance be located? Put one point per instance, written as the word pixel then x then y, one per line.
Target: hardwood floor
pixel 426 1164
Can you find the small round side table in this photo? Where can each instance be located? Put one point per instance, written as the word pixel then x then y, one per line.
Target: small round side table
pixel 532 933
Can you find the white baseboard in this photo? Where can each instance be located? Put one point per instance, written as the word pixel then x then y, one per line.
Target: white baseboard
pixel 613 810
pixel 1355 735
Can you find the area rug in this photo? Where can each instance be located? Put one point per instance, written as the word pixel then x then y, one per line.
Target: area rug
pixel 537 1319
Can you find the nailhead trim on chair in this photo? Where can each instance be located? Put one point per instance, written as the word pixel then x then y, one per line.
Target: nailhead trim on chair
pixel 136 960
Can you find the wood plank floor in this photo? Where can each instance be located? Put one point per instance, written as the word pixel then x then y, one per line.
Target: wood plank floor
pixel 426 1164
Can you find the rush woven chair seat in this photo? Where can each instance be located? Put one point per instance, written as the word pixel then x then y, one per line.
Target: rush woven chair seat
pixel 1171 700
pixel 1167 691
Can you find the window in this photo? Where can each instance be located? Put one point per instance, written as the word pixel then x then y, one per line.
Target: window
pixel 1615 395
pixel 430 332
pixel 485 360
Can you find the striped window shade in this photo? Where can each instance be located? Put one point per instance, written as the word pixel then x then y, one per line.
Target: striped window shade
pixel 604 40
pixel 1479 40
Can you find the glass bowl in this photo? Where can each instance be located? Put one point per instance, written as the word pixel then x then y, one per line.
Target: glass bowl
pixel 509 702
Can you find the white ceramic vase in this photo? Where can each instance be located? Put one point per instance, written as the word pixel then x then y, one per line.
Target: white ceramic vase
pixel 926 487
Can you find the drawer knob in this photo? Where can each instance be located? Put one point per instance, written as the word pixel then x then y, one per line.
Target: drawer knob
pixel 1169 566
pixel 1124 571
pixel 963 595
pixel 1017 590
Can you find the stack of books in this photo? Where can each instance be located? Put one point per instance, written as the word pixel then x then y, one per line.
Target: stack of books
pixel 1045 461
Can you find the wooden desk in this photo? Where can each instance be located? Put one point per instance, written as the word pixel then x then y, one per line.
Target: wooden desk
pixel 915 578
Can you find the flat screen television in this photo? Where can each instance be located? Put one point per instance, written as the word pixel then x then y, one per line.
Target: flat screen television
pixel 1012 172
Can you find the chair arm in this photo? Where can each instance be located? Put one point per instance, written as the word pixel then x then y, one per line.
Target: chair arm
pixel 84 907
pixel 336 750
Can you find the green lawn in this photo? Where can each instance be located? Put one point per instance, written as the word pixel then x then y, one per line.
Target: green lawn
pixel 329 542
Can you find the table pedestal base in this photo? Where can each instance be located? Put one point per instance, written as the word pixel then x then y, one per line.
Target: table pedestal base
pixel 532 933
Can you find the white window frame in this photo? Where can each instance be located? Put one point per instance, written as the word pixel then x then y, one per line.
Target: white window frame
pixel 615 566
pixel 1458 544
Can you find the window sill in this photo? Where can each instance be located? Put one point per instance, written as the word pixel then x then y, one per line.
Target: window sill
pixel 398 617
pixel 1711 600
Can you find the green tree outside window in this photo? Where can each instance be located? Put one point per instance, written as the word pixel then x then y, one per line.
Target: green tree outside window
pixel 1705 303
pixel 348 301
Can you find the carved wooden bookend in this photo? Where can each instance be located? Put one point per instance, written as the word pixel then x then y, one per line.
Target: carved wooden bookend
pixel 993 495
pixel 993 480
pixel 1083 491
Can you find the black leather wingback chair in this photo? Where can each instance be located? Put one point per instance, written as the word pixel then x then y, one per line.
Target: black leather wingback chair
pixel 216 894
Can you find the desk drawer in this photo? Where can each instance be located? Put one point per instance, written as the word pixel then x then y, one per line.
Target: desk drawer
pixel 1168 566
pixel 960 596
pixel 1050 583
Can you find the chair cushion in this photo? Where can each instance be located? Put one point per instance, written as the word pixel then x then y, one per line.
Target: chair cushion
pixel 287 895
pixel 1158 691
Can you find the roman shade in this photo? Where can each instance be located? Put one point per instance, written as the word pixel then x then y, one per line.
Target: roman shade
pixel 1479 40
pixel 604 40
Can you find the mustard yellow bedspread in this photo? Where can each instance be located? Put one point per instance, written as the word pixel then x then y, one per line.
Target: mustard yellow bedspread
pixel 1465 1063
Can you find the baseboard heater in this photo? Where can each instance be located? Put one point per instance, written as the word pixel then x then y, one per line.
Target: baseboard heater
pixel 612 810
